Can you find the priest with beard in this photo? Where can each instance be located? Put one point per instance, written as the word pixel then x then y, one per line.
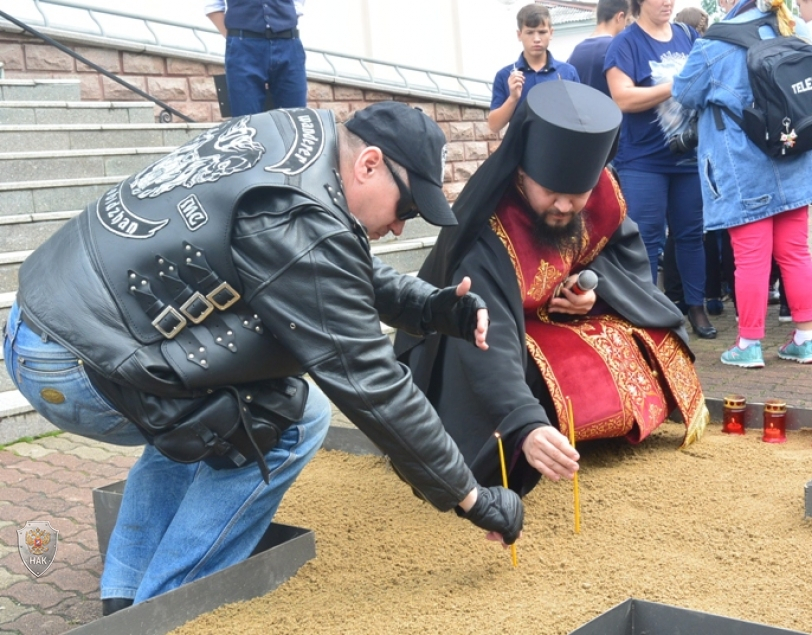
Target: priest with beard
pixel 539 211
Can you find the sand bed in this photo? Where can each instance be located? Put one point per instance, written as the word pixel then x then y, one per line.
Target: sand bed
pixel 716 528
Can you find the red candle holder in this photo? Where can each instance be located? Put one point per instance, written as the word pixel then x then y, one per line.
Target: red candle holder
pixel 733 414
pixel 775 421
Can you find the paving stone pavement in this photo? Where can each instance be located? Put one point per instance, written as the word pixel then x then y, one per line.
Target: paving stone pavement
pixel 52 479
pixel 778 379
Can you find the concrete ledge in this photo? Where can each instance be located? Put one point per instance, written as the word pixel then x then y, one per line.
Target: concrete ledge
pixel 797 418
pixel 639 617
pixel 350 440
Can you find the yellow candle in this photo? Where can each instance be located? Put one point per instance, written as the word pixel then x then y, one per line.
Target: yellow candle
pixel 514 556
pixel 571 426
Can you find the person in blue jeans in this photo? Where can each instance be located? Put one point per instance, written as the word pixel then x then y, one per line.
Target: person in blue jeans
pixel 762 201
pixel 165 502
pixel 183 309
pixel 535 65
pixel 264 55
pixel 661 187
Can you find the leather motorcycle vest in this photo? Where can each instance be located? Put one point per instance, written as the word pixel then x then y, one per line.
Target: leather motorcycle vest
pixel 160 242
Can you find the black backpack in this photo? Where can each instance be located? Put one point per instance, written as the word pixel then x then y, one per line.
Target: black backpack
pixel 779 121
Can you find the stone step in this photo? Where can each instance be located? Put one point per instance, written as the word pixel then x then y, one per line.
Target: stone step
pixel 38 197
pixel 87 136
pixel 404 254
pixel 9 269
pixel 18 419
pixel 24 232
pixel 27 113
pixel 40 90
pixel 76 164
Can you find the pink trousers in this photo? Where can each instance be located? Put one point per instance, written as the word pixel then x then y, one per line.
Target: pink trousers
pixel 783 237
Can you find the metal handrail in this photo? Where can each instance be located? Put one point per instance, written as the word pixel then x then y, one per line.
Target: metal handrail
pixel 91 11
pixel 166 114
pixel 321 65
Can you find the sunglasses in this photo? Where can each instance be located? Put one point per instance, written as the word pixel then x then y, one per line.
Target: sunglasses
pixel 407 208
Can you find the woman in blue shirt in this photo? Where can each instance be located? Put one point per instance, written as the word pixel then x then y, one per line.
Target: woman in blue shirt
pixel 661 187
pixel 761 201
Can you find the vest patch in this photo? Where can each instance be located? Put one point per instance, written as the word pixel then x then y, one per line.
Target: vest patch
pixel 118 219
pixel 308 144
pixel 218 152
pixel 192 212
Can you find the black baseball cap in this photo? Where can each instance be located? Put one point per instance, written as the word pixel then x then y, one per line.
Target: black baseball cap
pixel 410 137
pixel 571 134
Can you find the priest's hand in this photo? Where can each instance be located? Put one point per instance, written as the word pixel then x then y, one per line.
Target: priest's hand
pixel 457 312
pixel 572 303
pixel 550 452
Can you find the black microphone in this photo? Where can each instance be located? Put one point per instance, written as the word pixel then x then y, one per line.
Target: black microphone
pixel 587 280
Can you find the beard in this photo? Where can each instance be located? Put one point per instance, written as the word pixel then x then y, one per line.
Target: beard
pixel 558 236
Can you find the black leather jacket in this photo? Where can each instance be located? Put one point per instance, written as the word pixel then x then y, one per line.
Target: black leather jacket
pixel 302 265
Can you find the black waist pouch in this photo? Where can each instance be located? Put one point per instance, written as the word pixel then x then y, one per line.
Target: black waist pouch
pixel 236 425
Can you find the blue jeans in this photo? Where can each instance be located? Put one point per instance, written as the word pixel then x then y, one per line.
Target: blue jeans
pixel 658 201
pixel 177 522
pixel 251 63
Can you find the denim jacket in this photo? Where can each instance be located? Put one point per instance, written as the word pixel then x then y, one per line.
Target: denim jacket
pixel 740 184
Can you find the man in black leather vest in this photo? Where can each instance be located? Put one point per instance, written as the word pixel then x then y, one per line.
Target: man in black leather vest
pixel 182 308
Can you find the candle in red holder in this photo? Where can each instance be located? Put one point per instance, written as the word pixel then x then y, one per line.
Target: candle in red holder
pixel 733 414
pixel 775 421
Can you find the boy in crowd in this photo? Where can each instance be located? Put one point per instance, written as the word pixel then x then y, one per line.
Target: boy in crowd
pixel 534 66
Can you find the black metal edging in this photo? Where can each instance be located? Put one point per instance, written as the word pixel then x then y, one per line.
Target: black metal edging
pixel 168 111
pixel 281 552
pixel 640 617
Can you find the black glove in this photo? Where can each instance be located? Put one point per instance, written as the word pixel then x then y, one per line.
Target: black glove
pixel 497 509
pixel 451 314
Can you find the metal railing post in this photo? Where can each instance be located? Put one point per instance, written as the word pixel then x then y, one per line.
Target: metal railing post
pixel 166 107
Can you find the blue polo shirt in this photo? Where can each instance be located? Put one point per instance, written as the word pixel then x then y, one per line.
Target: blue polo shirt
pixel 553 69
pixel 587 58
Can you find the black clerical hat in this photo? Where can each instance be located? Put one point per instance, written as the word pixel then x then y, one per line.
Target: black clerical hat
pixel 571 133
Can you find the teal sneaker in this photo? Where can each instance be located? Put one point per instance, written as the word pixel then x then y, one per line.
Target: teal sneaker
pixel 749 357
pixel 798 353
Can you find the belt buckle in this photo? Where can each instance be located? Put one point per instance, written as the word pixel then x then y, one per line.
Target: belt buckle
pixel 186 308
pixel 223 286
pixel 181 322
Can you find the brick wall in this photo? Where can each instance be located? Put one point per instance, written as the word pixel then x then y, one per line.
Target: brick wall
pixel 188 86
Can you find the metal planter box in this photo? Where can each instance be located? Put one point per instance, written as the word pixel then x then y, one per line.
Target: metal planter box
pixel 280 554
pixel 639 617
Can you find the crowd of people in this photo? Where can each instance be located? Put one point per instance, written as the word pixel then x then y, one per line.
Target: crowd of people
pixel 193 337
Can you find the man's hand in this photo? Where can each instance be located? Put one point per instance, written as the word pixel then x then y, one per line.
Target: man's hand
pixel 550 452
pixel 498 511
pixel 482 321
pixel 572 303
pixel 515 84
pixel 456 312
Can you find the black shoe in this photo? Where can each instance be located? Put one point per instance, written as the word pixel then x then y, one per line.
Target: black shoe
pixel 773 297
pixel 113 605
pixel 700 323
pixel 784 314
